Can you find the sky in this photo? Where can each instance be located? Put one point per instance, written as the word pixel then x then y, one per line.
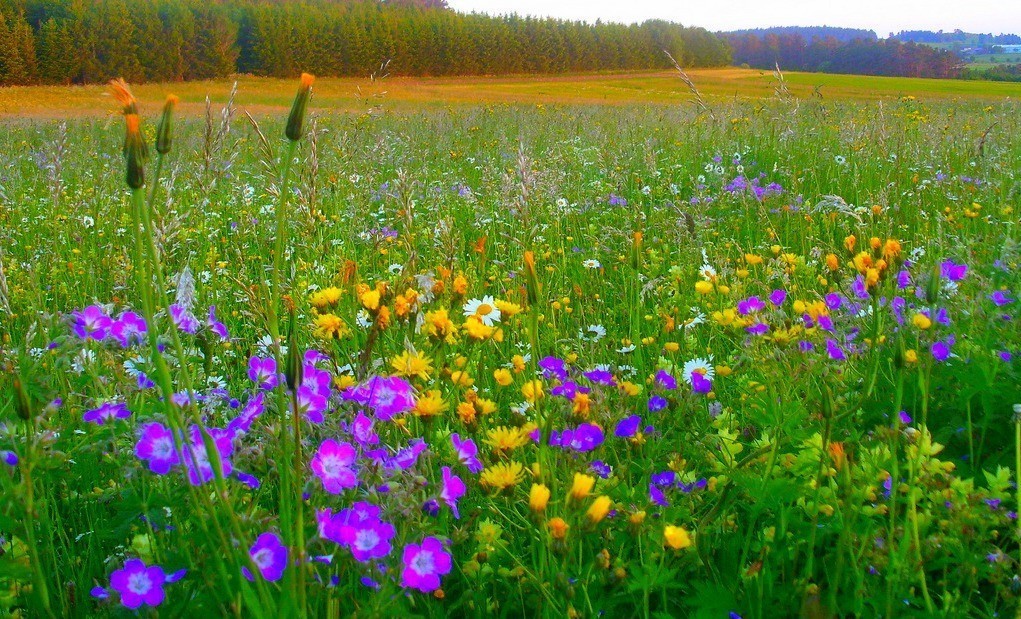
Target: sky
pixel 882 16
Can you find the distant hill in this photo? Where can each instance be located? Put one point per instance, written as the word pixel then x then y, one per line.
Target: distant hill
pixel 808 33
pixel 958 37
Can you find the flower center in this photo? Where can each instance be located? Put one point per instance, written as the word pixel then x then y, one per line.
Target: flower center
pixel 423 563
pixel 366 539
pixel 139 583
pixel 484 310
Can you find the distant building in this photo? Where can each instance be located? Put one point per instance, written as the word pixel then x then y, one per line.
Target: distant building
pixel 1008 49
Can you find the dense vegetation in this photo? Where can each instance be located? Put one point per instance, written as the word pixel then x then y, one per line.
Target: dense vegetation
pixel 85 41
pixel 756 359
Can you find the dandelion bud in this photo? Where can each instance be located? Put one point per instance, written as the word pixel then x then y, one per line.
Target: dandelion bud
pixel 582 486
pixel 538 497
pixel 135 151
pixel 598 510
pixel 558 528
pixel 22 403
pixel 531 278
pixel 296 121
pixel 163 129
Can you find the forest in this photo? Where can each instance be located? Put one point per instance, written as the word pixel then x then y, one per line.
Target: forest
pixel 88 41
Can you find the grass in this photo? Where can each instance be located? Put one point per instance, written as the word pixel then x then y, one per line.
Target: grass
pixel 760 359
pixel 265 95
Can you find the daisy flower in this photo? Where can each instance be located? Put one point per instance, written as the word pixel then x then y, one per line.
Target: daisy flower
pixel 700 365
pixel 592 333
pixel 591 264
pixel 484 309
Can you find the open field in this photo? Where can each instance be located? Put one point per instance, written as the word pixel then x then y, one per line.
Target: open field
pixel 462 358
pixel 266 95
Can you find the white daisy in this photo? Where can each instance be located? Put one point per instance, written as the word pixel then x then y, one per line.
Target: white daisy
pixel 591 264
pixel 484 309
pixel 626 349
pixel 700 365
pixel 364 320
pixel 592 333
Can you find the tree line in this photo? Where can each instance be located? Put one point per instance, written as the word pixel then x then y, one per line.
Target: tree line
pixel 89 41
pixel 861 56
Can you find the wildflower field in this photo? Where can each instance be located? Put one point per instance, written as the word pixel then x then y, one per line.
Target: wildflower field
pixel 754 358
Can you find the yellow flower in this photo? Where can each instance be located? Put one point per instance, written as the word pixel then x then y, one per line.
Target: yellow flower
pixel 466 411
pixel 370 299
pixel 832 262
pixel 921 321
pixel 532 390
pixel 461 378
pixel 502 476
pixel 598 510
pixel 676 537
pixel 503 377
pixel 538 497
pixel 430 404
pixel 862 262
pixel 703 287
pixel 911 356
pixel 487 407
pixel 582 486
pixel 323 298
pixel 460 284
pixel 519 363
pixel 752 259
pixel 849 242
pixel 507 308
pixel 330 326
pixel 637 518
pixel 477 329
pixel 437 323
pixel 630 388
pixel 891 249
pixel 582 405
pixel 503 438
pixel 412 364
pixel 558 528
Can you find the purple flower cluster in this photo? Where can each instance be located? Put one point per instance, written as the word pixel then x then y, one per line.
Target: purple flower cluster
pixel 92 323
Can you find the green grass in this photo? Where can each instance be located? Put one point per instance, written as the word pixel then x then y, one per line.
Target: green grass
pixel 798 486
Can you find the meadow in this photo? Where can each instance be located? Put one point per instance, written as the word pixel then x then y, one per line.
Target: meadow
pixel 493 354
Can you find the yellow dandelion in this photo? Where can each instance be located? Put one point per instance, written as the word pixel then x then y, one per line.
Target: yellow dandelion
pixel 502 476
pixel 412 363
pixel 506 439
pixel 430 404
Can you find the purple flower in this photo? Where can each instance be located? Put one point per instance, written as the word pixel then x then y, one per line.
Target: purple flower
pixel 361 430
pixel 940 350
pixel 759 328
pixel 367 538
pixel 183 319
pixel 834 301
pixel 700 384
pixel 859 288
pixel 263 372
pixel 628 427
pixel 334 465
pixel 750 306
pixel 156 446
pixel 657 496
pixel 215 325
pixel 269 555
pixel 424 564
pixel 9 458
pixel 129 329
pixel 453 489
pixel 568 389
pixel 825 322
pixel 108 411
pixel 311 404
pixel 665 380
pixel 615 200
pixel 952 271
pixel 601 468
pixel 601 376
pixel 138 584
pixel 553 367
pixel 253 408
pixel 585 437
pixel 386 396
pixel 903 279
pixel 834 350
pixel 657 403
pixel 1001 298
pixel 92 323
pixel 777 297
pixel 196 458
pixel 467 452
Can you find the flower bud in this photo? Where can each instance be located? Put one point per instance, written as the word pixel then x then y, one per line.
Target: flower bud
pixel 296 121
pixel 164 138
pixel 135 151
pixel 22 403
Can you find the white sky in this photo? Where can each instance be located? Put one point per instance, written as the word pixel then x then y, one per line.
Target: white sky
pixel 883 16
